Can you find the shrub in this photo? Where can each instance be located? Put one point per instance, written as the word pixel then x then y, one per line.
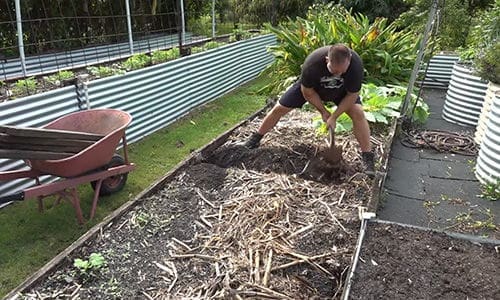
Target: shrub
pixel 160 56
pixel 487 63
pixel 25 86
pixel 388 54
pixel 484 31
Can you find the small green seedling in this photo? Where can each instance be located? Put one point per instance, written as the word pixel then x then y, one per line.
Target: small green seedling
pixel 491 191
pixel 88 268
pixel 56 79
pixel 25 86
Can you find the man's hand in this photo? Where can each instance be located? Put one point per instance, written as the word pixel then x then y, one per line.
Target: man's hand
pixel 331 122
pixel 325 115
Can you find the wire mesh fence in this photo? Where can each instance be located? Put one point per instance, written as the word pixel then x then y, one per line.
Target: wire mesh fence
pixel 46 44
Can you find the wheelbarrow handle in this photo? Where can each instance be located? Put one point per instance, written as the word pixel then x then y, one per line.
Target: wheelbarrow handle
pixel 14 197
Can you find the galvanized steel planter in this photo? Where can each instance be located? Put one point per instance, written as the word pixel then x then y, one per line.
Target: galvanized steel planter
pixel 488 161
pixel 485 111
pixel 439 71
pixel 465 96
pixel 155 96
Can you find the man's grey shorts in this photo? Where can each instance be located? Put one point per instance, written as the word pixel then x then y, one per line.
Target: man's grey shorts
pixel 293 97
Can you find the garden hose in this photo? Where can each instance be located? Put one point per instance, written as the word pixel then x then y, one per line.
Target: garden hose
pixel 442 141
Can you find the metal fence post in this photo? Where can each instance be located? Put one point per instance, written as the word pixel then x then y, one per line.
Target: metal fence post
pixel 213 19
pixel 416 66
pixel 20 35
pixel 129 28
pixel 183 25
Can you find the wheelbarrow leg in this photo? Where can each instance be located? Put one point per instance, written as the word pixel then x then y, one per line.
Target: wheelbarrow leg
pixel 39 198
pixel 96 198
pixel 75 201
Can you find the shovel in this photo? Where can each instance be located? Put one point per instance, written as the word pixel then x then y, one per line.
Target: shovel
pixel 332 154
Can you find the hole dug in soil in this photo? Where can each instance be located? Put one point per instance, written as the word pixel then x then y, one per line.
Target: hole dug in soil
pixel 240 224
pixel 397 262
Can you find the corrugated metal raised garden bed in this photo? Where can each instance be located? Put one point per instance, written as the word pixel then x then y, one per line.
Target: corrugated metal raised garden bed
pixel 229 222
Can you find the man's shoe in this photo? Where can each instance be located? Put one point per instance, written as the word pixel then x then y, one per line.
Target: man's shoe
pixel 254 141
pixel 369 163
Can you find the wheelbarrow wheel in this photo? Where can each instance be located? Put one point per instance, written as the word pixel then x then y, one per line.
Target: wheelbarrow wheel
pixel 112 184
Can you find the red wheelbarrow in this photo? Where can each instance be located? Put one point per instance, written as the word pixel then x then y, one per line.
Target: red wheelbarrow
pixel 78 148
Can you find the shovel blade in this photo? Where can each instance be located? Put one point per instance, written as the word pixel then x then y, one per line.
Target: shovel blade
pixel 333 154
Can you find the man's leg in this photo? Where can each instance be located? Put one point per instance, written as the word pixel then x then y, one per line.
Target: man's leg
pixel 291 99
pixel 362 133
pixel 268 123
pixel 360 127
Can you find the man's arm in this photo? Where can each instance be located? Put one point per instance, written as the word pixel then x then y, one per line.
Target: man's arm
pixel 344 105
pixel 312 97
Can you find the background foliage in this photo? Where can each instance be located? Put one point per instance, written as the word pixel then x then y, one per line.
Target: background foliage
pixel 388 53
pixel 454 21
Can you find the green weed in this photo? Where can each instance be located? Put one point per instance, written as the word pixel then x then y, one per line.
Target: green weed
pixel 491 191
pixel 56 79
pixel 25 86
pixel 90 267
pixel 136 61
pixel 160 56
pixel 103 71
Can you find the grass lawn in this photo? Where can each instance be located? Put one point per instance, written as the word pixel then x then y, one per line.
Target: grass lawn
pixel 29 239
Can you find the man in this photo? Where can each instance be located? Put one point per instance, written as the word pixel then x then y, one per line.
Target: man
pixel 330 73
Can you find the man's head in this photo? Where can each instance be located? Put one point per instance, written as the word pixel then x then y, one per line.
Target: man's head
pixel 338 59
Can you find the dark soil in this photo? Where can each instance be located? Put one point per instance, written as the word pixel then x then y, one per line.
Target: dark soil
pixel 269 222
pixel 406 263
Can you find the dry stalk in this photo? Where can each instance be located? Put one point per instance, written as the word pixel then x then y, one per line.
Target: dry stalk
pixel 296 262
pixel 333 217
pixel 257 266
pixel 147 295
pixel 182 244
pixel 197 190
pixel 265 279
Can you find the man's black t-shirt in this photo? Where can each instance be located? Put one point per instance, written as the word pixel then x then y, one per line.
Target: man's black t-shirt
pixel 315 75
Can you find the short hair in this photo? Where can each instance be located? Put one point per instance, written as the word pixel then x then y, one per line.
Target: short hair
pixel 339 53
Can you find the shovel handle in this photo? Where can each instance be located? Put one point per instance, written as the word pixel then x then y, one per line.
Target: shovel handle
pixel 14 197
pixel 331 137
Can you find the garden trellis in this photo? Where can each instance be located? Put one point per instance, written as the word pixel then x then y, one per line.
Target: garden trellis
pixel 41 37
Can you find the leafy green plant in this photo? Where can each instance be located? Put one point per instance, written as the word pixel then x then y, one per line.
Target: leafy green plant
pixel 206 46
pixel 213 45
pixel 88 268
pixel 381 104
pixel 388 53
pixel 484 32
pixel 103 71
pixel 239 34
pixel 136 61
pixel 491 191
pixel 160 56
pixel 487 63
pixel 57 78
pixel 25 86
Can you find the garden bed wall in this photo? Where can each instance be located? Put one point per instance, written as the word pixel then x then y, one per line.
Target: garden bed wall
pixel 155 96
